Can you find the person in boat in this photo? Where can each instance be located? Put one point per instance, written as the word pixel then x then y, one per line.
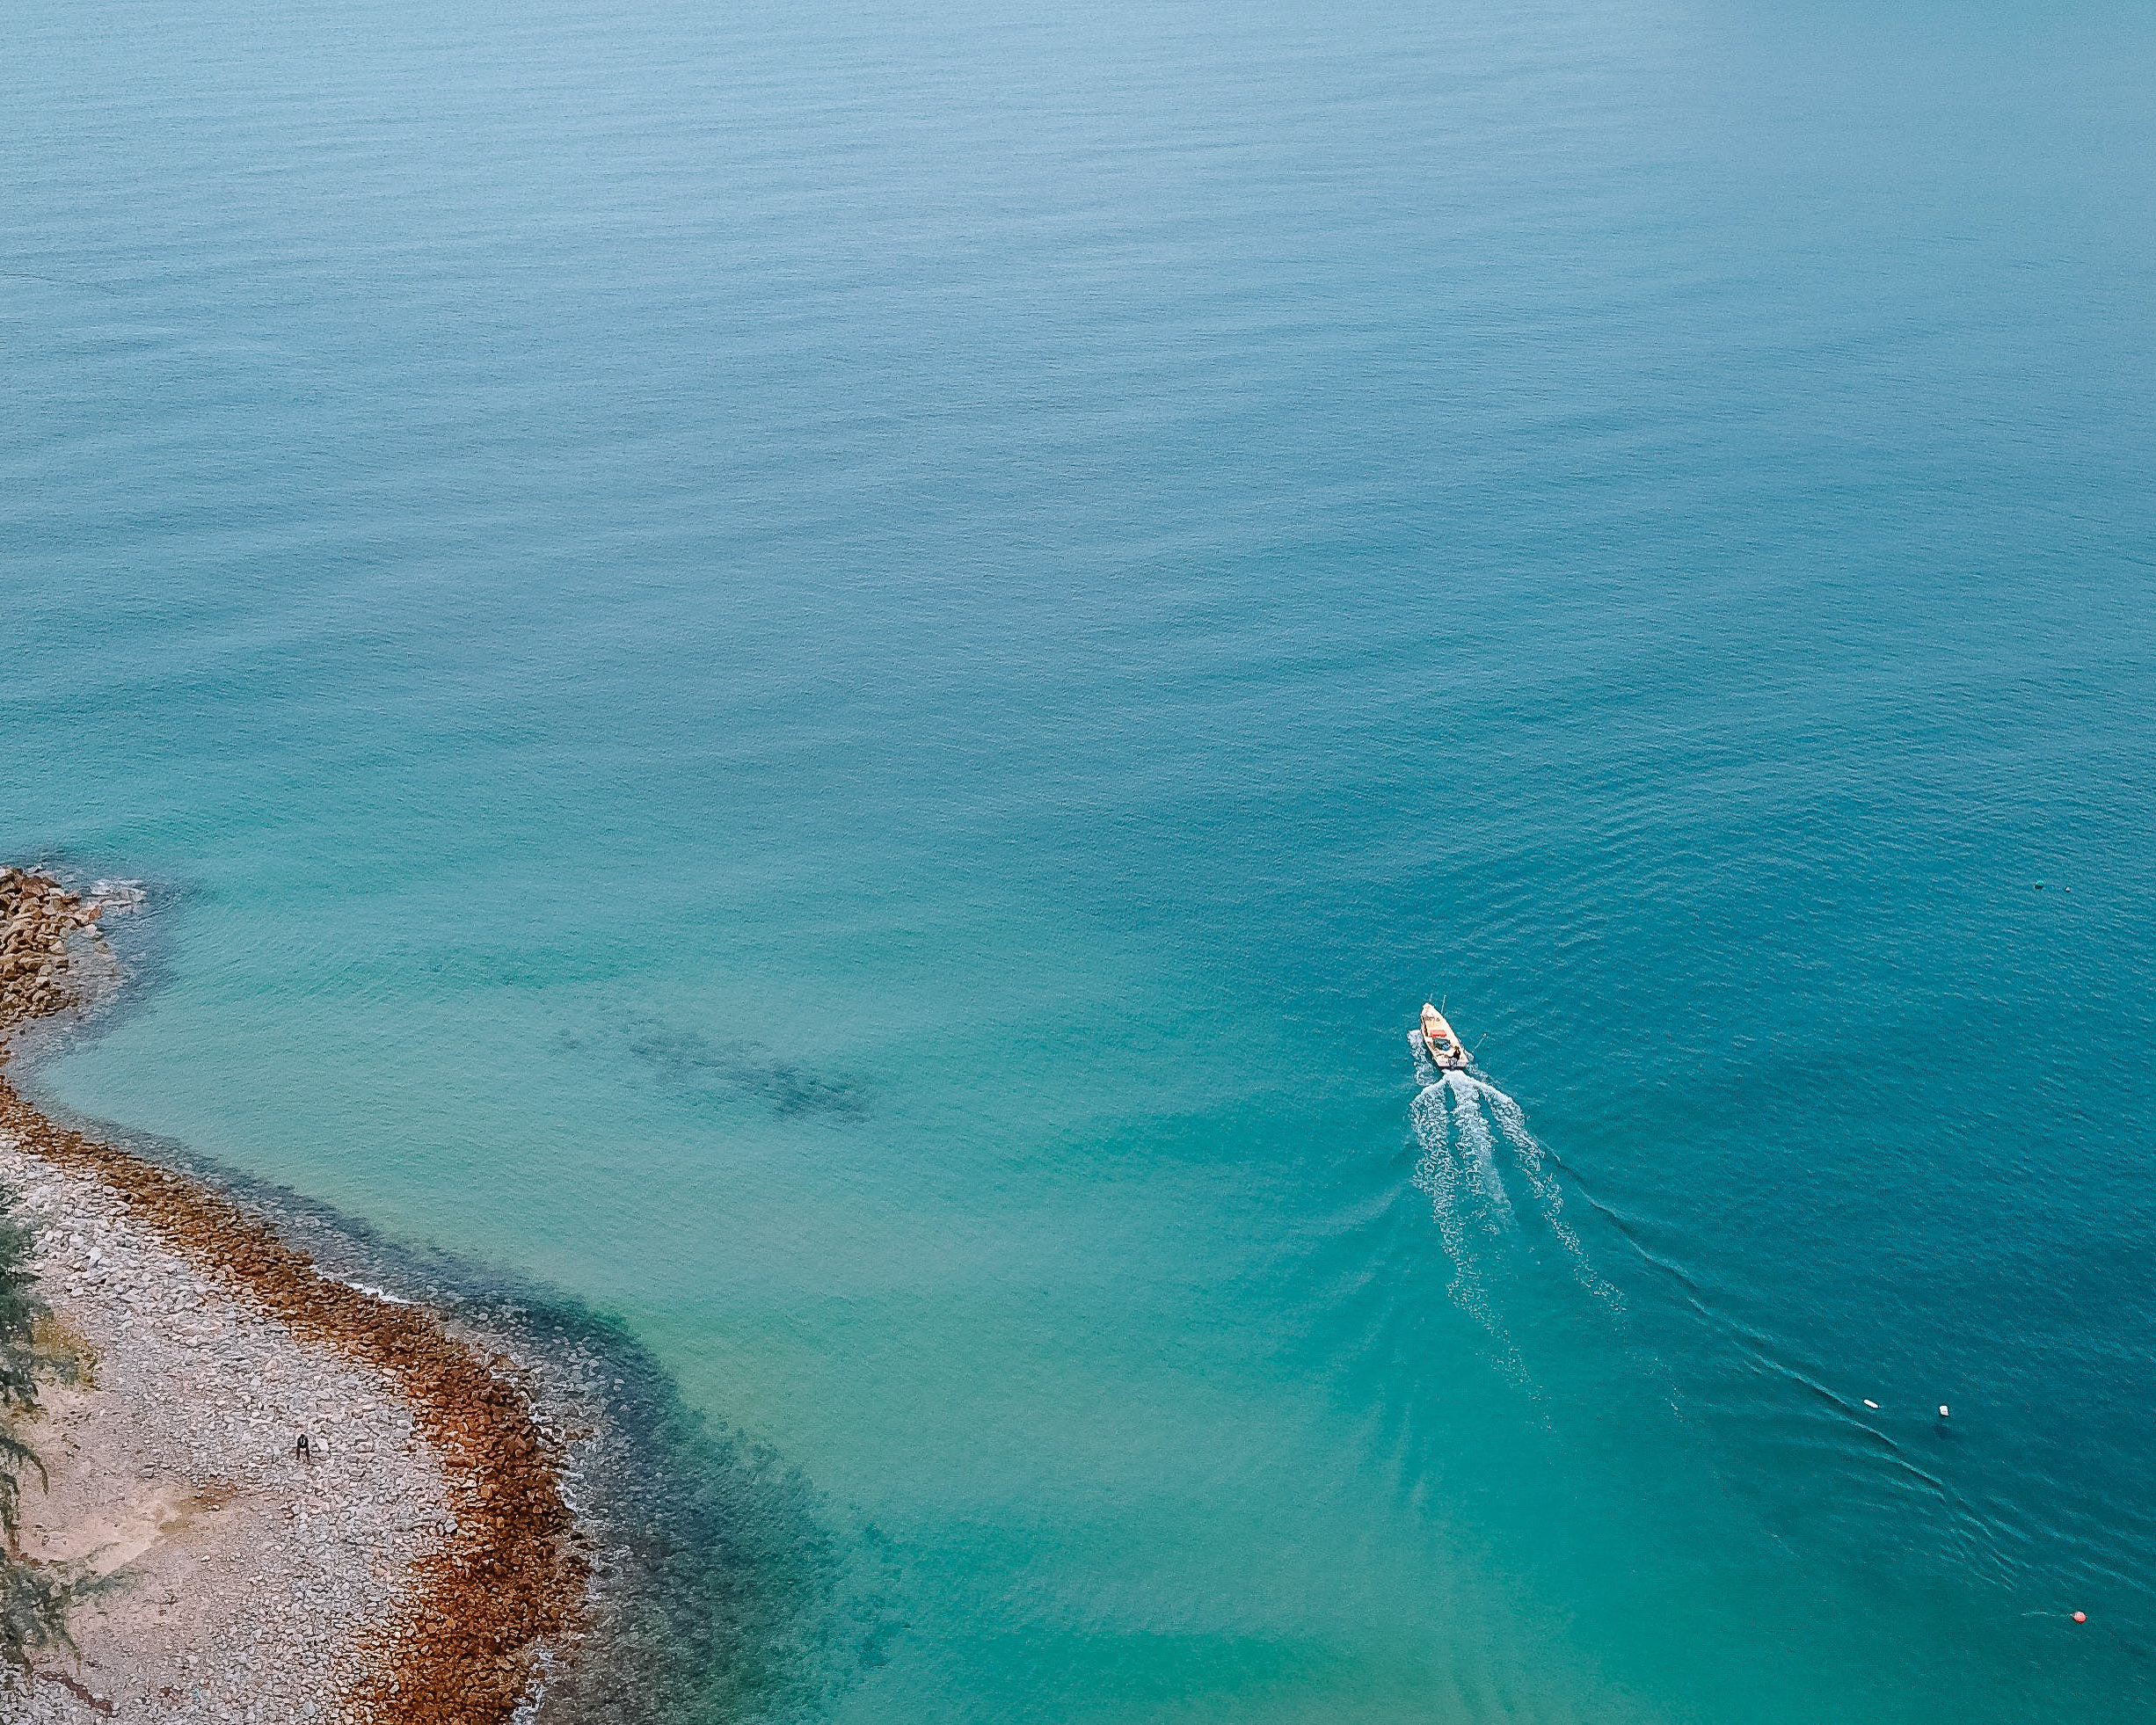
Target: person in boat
pixel 1438 1042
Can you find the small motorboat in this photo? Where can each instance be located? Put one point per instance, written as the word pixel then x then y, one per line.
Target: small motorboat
pixel 1440 1047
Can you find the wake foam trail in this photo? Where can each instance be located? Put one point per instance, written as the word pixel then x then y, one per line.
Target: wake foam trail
pixel 1460 1123
pixel 1478 1150
pixel 1534 1163
pixel 1440 1173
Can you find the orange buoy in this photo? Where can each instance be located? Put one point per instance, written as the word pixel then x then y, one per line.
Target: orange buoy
pixel 2080 1617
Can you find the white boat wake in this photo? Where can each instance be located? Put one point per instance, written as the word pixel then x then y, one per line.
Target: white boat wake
pixel 1445 1173
pixel 1473 1136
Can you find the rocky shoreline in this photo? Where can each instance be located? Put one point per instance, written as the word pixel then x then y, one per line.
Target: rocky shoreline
pixel 414 1561
pixel 250 1580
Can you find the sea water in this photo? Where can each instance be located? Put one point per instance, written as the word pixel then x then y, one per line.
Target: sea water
pixel 836 674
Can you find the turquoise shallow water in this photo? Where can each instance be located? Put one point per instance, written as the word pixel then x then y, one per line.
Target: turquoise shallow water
pixel 834 676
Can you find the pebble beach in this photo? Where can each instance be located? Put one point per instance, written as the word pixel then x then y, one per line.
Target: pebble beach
pixel 285 1498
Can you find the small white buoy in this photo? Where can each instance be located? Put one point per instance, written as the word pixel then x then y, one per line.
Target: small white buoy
pixel 1943 1411
pixel 1869 1403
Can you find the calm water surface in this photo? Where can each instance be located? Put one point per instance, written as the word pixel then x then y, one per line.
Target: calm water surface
pixel 836 674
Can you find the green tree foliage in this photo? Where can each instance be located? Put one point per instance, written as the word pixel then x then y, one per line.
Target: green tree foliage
pixel 33 1596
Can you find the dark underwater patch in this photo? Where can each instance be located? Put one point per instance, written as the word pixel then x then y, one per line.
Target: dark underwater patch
pixel 688 1060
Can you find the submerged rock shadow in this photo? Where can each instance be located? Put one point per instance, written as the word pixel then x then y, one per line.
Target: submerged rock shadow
pixel 685 1059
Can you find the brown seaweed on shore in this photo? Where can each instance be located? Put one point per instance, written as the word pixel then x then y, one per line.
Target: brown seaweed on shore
pixel 505 1591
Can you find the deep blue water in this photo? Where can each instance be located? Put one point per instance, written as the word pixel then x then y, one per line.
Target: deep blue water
pixel 836 675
